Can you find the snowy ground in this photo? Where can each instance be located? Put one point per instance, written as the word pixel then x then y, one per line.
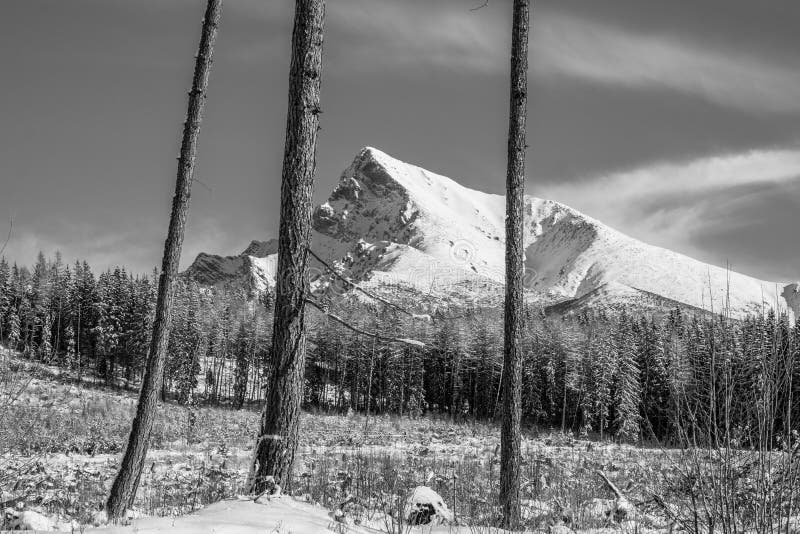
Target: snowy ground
pixel 278 516
pixel 58 462
pixel 282 515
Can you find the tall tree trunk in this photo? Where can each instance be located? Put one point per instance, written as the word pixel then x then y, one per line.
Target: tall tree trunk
pixel 125 485
pixel 277 440
pixel 515 208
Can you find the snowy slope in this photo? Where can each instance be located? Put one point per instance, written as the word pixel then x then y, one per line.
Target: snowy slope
pixel 388 223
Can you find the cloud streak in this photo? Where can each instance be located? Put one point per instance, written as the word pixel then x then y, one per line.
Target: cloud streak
pixel 364 35
pixel 673 204
pixel 585 50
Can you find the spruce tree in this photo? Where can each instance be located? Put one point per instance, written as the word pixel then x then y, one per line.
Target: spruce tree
pixel 242 352
pixel 69 345
pixel 278 434
pixel 654 367
pixel 14 330
pixel 627 390
pixel 603 355
pixel 5 297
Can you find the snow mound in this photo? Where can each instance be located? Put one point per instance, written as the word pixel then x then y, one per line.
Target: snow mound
pixel 28 520
pixel 425 506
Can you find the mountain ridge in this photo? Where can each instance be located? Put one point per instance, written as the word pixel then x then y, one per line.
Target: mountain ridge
pixel 388 222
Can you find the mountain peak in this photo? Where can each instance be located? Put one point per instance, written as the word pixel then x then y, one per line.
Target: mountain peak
pixel 392 223
pixel 261 249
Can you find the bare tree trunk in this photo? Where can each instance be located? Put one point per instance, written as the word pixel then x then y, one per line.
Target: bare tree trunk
pixel 515 213
pixel 125 485
pixel 277 440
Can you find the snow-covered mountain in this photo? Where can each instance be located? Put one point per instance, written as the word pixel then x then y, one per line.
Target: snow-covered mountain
pixel 253 270
pixel 393 226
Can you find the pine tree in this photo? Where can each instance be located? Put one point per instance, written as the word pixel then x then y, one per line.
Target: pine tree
pixel 654 366
pixel 242 353
pixel 14 330
pixel 485 350
pixel 510 439
pixel 46 346
pixel 278 433
pixel 585 386
pixel 628 389
pixel 26 315
pixel 69 342
pixel 603 364
pixel 85 314
pixel 5 296
pixel 126 483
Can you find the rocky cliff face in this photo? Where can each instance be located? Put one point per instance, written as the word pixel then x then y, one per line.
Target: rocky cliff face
pixel 252 271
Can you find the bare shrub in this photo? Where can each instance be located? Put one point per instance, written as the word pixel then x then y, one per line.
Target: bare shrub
pixel 739 465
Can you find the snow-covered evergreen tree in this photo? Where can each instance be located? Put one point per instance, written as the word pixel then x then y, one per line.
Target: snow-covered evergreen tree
pixel 14 330
pixel 627 385
pixel 5 297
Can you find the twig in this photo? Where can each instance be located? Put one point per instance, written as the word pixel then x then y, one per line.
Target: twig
pixel 484 4
pixel 208 187
pixel 412 342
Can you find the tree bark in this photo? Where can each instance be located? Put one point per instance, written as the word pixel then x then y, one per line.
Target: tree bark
pixel 126 483
pixel 515 206
pixel 278 435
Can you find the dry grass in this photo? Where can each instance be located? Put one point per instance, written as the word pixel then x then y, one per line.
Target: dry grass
pixel 61 442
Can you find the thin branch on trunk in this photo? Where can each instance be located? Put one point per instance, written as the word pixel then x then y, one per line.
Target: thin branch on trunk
pixel 406 341
pixel 353 285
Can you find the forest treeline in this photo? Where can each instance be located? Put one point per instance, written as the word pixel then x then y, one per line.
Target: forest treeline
pixel 619 376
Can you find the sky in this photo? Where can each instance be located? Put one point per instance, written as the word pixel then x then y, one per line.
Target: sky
pixel 675 122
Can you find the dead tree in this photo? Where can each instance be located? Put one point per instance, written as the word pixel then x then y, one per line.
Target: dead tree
pixel 277 440
pixel 515 212
pixel 126 483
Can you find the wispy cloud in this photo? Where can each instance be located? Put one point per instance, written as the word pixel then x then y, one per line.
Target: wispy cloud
pixel 588 50
pixel 444 35
pixel 670 204
pixel 364 35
